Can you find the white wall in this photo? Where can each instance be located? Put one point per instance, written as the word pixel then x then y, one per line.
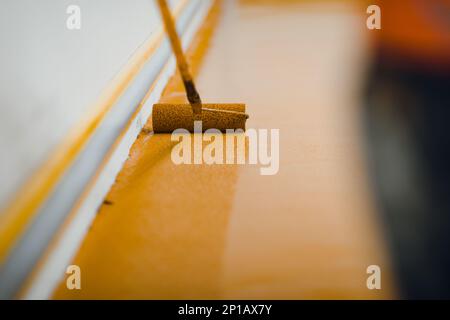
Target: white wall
pixel 49 75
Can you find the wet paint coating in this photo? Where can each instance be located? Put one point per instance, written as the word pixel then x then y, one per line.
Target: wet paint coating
pixel 225 231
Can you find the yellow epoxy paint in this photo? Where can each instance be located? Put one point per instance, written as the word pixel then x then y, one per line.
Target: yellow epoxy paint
pixel 225 231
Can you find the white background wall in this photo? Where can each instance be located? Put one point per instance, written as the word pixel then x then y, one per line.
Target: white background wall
pixel 49 75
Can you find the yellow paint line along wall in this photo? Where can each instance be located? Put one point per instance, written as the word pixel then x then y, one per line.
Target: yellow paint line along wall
pixel 189 232
pixel 52 265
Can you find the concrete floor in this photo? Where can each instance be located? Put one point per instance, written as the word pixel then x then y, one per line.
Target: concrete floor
pixel 225 231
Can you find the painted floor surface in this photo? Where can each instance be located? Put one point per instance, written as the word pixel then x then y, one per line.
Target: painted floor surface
pixel 225 231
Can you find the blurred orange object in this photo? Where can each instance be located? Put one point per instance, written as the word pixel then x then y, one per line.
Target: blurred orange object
pixel 416 32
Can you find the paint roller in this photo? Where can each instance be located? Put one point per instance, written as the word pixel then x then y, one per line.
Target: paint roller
pixel 168 117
